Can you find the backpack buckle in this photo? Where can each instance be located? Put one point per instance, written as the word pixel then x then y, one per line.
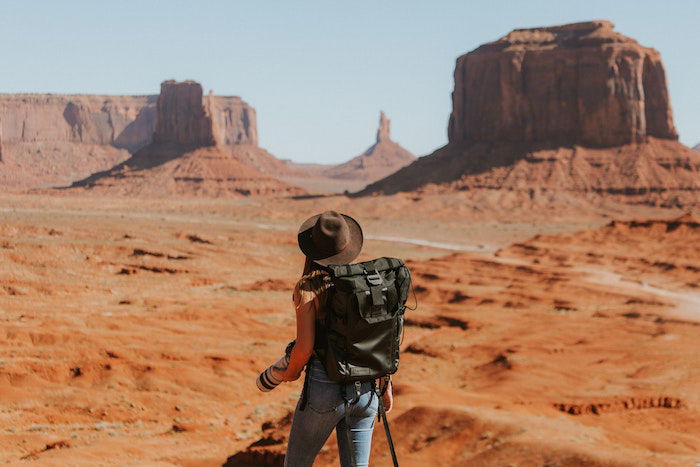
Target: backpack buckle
pixel 374 279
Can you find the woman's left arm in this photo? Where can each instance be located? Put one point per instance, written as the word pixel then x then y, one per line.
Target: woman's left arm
pixel 304 347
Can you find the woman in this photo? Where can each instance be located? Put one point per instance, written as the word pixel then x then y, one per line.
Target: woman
pixel 327 238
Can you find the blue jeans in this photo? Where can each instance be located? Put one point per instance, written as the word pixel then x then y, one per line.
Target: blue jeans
pixel 325 410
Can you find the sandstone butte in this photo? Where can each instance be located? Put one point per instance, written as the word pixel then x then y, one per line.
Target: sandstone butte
pixel 54 139
pixel 202 146
pixel 576 108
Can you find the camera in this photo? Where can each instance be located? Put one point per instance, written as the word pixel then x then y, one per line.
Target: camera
pixel 272 376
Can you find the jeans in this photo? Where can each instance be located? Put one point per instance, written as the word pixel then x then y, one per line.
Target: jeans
pixel 325 410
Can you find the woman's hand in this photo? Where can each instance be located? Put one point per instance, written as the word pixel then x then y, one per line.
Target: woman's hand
pixel 388 396
pixel 288 376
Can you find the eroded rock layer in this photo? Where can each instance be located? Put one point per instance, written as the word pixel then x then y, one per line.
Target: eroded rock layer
pixel 209 172
pixel 659 173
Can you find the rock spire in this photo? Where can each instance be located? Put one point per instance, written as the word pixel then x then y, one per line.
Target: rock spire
pixel 384 130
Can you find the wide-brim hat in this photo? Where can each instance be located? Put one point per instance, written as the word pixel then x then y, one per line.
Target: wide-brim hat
pixel 330 238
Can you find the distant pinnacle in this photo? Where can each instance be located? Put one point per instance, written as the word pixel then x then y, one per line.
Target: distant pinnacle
pixel 383 133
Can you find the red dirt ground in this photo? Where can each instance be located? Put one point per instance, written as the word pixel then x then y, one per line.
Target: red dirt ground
pixel 134 330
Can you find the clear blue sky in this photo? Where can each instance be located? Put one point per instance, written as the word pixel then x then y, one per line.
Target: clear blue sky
pixel 317 72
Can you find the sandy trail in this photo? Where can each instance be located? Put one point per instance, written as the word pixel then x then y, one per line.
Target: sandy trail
pixel 687 304
pixel 428 243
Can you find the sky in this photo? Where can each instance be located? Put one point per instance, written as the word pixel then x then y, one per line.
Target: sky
pixel 317 72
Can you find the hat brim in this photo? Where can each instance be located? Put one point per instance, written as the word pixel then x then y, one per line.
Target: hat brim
pixel 351 251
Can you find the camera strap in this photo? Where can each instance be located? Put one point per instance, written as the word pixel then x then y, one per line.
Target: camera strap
pixel 382 416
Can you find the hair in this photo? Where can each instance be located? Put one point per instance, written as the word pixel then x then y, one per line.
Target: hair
pixel 311 266
pixel 314 279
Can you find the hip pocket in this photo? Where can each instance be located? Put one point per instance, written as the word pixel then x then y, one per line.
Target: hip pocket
pixel 324 397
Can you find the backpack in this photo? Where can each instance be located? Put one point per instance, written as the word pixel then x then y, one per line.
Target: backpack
pixel 363 325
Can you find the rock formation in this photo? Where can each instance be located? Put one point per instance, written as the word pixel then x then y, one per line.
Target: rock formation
pixel 188 119
pixel 696 147
pixel 53 139
pixel 384 157
pixel 576 108
pixel 201 147
pixel 183 118
pixel 574 84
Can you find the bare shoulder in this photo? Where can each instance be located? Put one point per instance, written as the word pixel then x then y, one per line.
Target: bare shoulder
pixel 311 286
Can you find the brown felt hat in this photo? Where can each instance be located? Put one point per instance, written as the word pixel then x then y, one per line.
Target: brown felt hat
pixel 330 238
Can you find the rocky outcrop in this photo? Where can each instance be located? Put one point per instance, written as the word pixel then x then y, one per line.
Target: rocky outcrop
pixel 579 83
pixel 697 147
pixel 384 157
pixel 188 118
pixel 182 117
pixel 202 147
pixel 53 139
pixel 552 113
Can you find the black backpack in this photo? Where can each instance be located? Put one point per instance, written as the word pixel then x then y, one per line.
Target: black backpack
pixel 359 340
pixel 362 329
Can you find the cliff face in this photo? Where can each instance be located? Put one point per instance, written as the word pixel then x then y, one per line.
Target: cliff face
pixel 384 157
pixel 234 122
pixel 53 139
pixel 121 121
pixel 573 84
pixel 182 118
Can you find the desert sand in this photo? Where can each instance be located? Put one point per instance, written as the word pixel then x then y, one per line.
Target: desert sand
pixel 134 330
